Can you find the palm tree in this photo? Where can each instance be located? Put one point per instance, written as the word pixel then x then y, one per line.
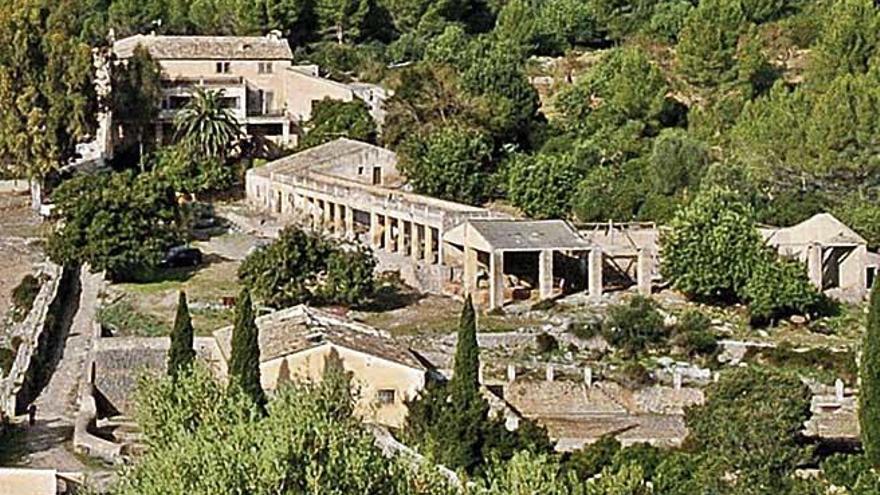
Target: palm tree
pixel 207 125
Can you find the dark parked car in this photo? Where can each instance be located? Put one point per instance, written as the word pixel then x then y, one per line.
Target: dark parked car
pixel 182 256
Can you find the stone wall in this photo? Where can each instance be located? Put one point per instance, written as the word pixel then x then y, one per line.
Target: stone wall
pixel 46 338
pixel 30 332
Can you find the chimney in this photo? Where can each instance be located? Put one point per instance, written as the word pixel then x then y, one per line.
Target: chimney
pixel 676 380
pixel 839 390
pixel 511 373
pixel 274 35
pixel 549 372
pixel 588 376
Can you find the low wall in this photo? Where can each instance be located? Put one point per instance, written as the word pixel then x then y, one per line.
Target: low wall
pixel 17 186
pixel 30 332
pixel 84 442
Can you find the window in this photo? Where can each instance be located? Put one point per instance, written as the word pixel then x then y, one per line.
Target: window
pixel 360 170
pixel 377 176
pixel 223 67
pixel 386 396
pixel 265 67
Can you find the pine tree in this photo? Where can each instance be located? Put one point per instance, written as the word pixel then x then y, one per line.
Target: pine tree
pixel 181 353
pixel 869 389
pixel 244 363
pixel 336 388
pixel 465 420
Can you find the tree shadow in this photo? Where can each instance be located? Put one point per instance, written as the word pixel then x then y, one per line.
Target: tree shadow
pixel 389 297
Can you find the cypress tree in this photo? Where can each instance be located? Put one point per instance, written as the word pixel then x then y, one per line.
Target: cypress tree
pixel 869 388
pixel 181 353
pixel 244 362
pixel 466 418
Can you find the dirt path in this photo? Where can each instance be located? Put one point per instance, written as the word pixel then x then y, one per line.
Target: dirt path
pixel 47 444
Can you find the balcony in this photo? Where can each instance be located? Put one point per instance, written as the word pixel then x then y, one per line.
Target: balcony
pixel 214 81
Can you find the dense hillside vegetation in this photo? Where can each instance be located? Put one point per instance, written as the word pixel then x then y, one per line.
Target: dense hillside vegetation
pixel 776 99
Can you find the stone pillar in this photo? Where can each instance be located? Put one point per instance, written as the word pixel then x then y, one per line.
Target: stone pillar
pixel 550 373
pixel 316 213
pixel 470 270
pixel 839 391
pixel 327 216
pixel 814 264
pixel 676 380
pixel 389 244
pixel 375 230
pixel 511 373
pixel 644 269
pixel 285 133
pixel 415 243
pixel 594 282
pixel 588 376
pixel 496 279
pixel 337 218
pixel 545 274
pixel 401 236
pixel 481 368
pixel 429 244
pixel 349 221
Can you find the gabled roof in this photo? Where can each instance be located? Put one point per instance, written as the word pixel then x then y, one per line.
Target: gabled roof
pixel 516 235
pixel 823 228
pixel 301 328
pixel 206 47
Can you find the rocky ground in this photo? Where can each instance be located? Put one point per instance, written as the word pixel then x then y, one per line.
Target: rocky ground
pixel 20 237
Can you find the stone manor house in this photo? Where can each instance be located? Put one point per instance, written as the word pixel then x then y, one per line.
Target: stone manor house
pixel 263 89
pixel 354 190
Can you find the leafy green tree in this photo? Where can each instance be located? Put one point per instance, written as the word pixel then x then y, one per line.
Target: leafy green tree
pixel 869 376
pixel 207 126
pixel 542 185
pixel 626 86
pixel 677 162
pixel 450 163
pixel 526 474
pixel 350 276
pixel 181 353
pixel 300 267
pixel 610 193
pixel 848 41
pixel 48 102
pixel 333 119
pixel 118 222
pixel 137 91
pixel 668 19
pixel 708 41
pixel 205 441
pixel 189 171
pixel 591 459
pixel 244 359
pixel 342 19
pixel 750 424
pixel 711 247
pixel 779 288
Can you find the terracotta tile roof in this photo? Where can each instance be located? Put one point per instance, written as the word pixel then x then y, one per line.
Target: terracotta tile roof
pixel 301 328
pixel 206 47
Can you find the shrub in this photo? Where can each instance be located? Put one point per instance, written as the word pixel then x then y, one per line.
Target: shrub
pixel 546 343
pixel 631 327
pixel 844 469
pixel 593 458
pixel 693 334
pixel 779 288
pixel 23 296
pixel 634 375
pixel 350 277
